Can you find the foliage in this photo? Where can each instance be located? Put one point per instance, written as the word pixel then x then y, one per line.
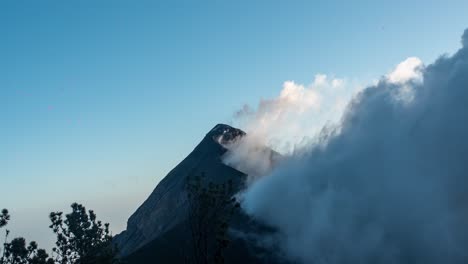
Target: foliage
pixel 81 238
pixel 17 252
pixel 4 218
pixel 210 208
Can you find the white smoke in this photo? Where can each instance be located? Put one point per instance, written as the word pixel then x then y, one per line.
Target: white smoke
pixel 386 184
pixel 280 123
pixel 407 70
pixel 250 156
pixel 298 115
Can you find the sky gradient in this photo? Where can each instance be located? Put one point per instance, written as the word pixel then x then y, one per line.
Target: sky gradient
pixel 99 100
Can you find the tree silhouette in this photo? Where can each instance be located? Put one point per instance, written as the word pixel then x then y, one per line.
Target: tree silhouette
pixel 16 251
pixel 4 218
pixel 81 238
pixel 210 207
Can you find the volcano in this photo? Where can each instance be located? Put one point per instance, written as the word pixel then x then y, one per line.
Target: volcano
pixel 156 231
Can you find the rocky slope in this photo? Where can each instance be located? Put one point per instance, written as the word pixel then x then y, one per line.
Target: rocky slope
pixel 166 207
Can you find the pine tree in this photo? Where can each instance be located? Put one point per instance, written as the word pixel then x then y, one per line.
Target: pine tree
pixel 81 238
pixel 210 208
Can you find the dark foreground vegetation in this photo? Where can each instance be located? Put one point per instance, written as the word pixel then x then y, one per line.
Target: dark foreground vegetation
pixel 210 231
pixel 81 239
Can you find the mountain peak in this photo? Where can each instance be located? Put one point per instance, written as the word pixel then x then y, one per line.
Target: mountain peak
pixel 224 133
pixel 166 207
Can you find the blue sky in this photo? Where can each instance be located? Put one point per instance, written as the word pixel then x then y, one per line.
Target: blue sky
pixel 100 99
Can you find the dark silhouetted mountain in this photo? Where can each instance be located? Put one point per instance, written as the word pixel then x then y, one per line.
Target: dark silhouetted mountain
pixel 156 230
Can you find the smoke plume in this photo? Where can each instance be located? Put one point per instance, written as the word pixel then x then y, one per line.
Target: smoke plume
pixel 387 183
pixel 281 123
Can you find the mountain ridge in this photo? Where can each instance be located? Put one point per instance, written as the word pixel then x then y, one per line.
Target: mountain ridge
pixel 166 206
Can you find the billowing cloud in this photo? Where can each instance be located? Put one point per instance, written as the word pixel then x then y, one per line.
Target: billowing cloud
pixel 465 38
pixel 407 70
pixel 250 156
pixel 294 101
pixel 387 184
pixel 279 122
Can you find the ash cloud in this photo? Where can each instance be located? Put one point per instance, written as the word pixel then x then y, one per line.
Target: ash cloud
pixel 280 123
pixel 387 183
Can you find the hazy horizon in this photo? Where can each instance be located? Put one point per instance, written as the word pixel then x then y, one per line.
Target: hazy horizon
pixel 101 100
